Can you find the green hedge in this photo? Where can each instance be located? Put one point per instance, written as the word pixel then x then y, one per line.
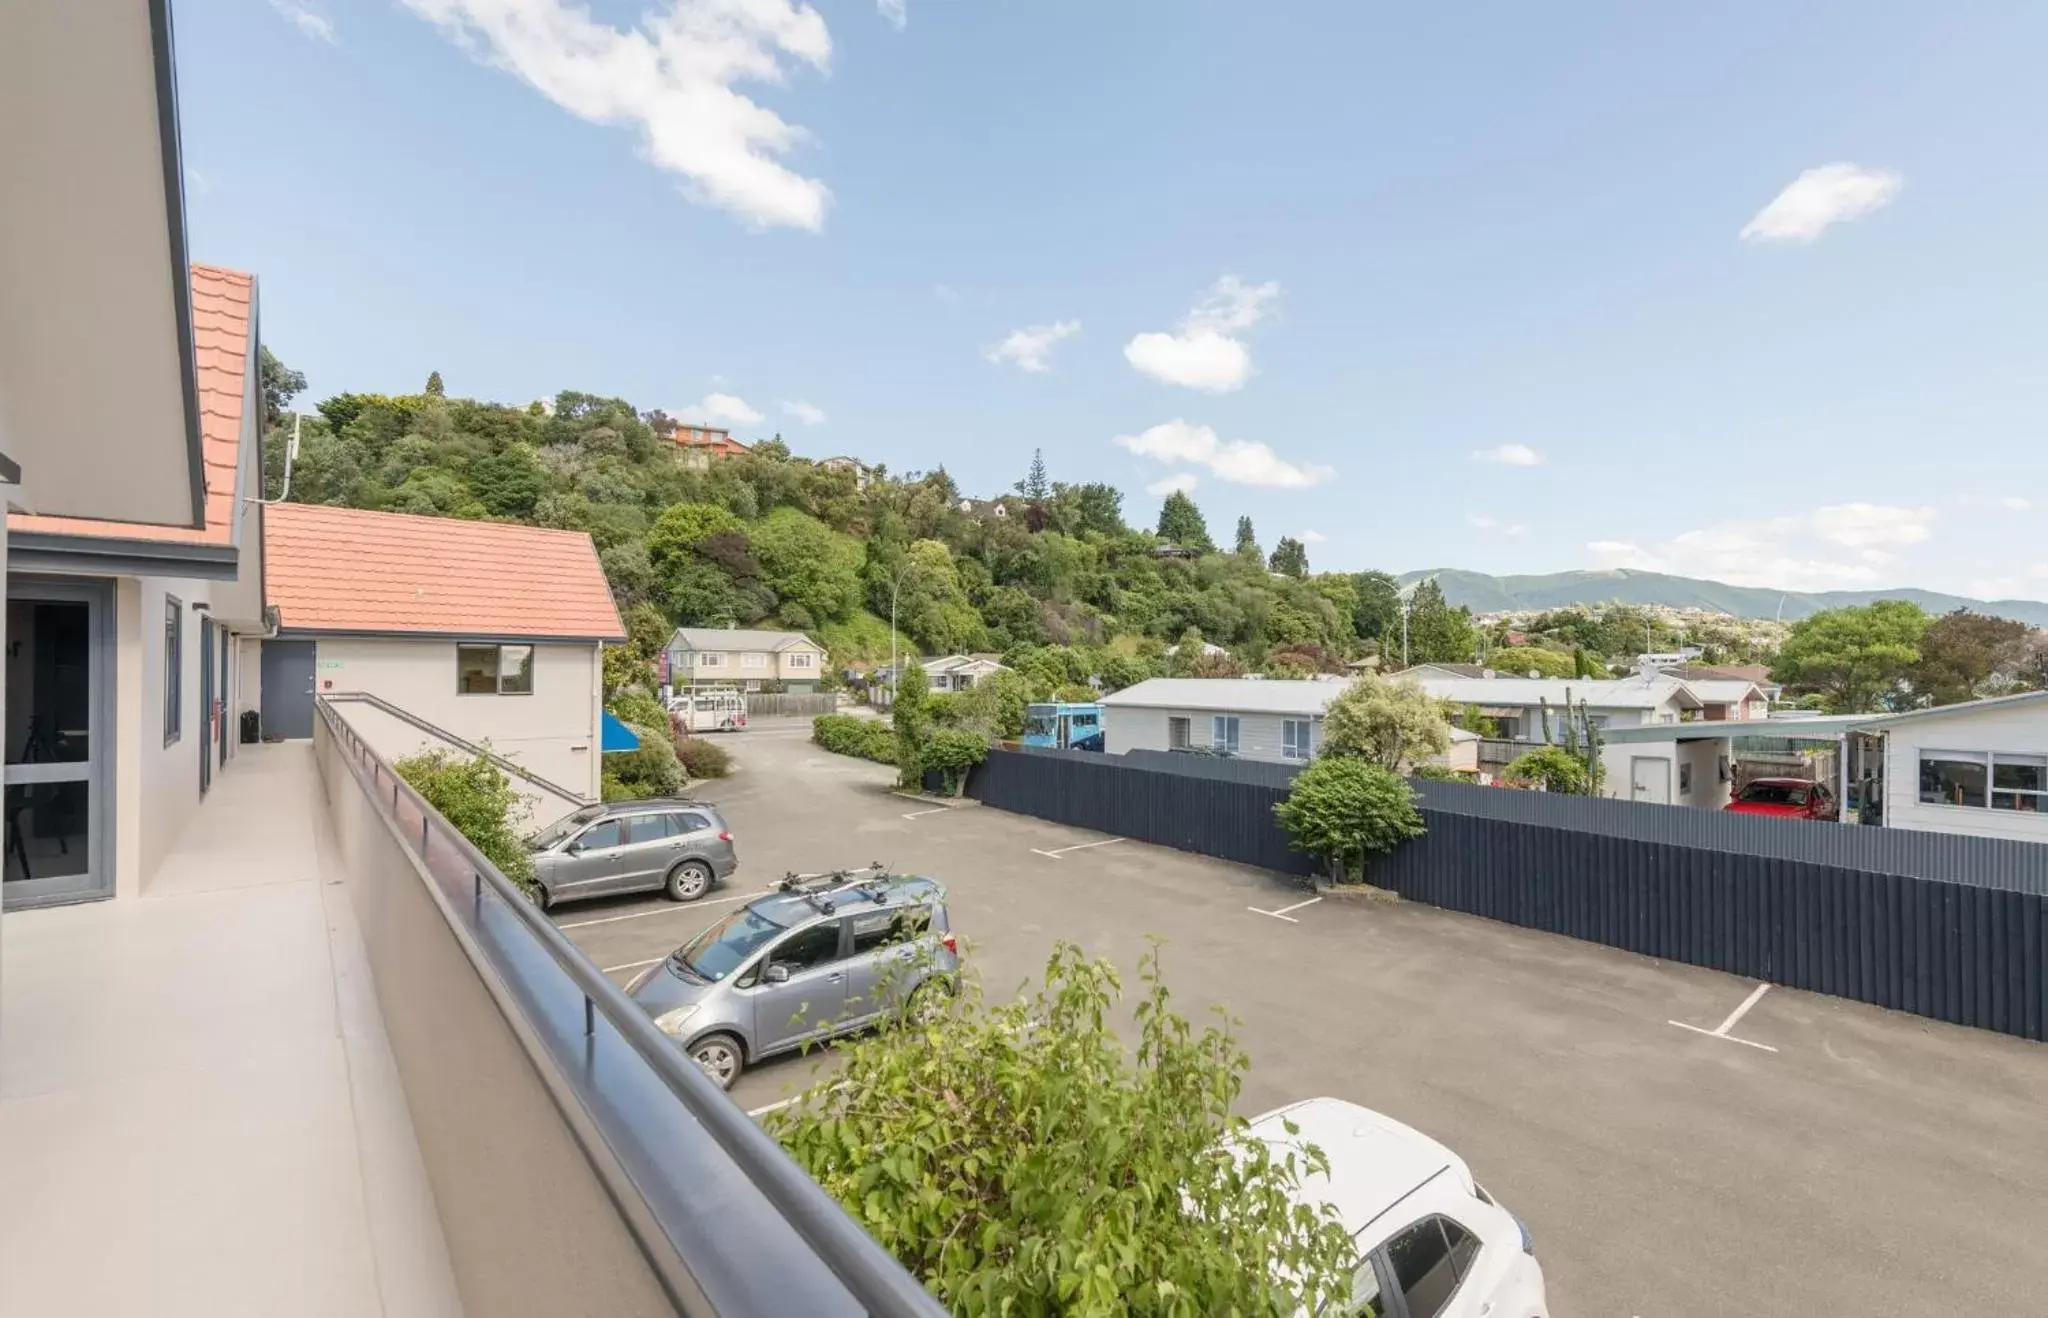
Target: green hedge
pixel 844 734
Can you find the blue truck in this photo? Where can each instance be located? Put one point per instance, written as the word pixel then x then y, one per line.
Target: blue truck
pixel 1062 726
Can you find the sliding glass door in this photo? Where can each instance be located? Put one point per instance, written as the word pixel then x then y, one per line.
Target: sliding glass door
pixel 59 749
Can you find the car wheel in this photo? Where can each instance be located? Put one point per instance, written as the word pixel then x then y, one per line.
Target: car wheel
pixel 539 896
pixel 721 1057
pixel 688 881
pixel 927 1003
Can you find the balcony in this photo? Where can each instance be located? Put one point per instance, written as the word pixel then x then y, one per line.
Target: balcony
pixel 329 1063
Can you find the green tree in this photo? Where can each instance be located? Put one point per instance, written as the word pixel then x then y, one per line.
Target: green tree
pixel 1180 523
pixel 1378 612
pixel 1021 1159
pixel 1035 486
pixel 1965 655
pixel 281 384
pixel 675 535
pixel 951 753
pixel 471 794
pixel 1521 660
pixel 1437 633
pixel 1248 542
pixel 1290 558
pixel 1094 507
pixel 1553 768
pixel 508 482
pixel 808 566
pixel 1346 811
pixel 912 723
pixel 434 389
pixel 1856 660
pixel 1385 723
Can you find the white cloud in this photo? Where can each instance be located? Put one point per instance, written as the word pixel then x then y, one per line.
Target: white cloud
pixel 808 413
pixel 2012 503
pixel 1493 525
pixel 721 409
pixel 673 79
pixel 1510 455
pixel 1180 482
pixel 1239 461
pixel 306 19
pixel 1820 197
pixel 1803 551
pixel 1030 348
pixel 1205 352
pixel 896 11
pixel 1311 537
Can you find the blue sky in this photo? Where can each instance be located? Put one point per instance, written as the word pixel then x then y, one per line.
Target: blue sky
pixel 1751 291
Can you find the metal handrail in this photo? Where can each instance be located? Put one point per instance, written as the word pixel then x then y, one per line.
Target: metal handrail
pixel 378 702
pixel 870 1274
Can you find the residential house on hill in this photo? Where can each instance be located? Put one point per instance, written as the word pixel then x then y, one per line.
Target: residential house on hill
pixel 1517 705
pixel 421 613
pixel 700 444
pixel 1249 718
pixel 746 658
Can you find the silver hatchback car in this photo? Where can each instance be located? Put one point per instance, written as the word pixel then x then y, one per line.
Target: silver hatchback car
pixel 815 957
pixel 679 847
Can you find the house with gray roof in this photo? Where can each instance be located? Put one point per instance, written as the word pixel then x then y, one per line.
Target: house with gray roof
pixel 745 658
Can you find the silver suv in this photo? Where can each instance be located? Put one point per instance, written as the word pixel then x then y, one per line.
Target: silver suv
pixel 818 956
pixel 680 847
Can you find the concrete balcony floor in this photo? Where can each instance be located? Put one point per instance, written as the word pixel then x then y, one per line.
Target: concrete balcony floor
pixel 199 1113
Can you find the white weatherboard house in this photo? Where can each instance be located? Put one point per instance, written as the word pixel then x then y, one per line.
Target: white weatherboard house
pixel 1979 768
pixel 1517 704
pixel 743 657
pixel 1251 718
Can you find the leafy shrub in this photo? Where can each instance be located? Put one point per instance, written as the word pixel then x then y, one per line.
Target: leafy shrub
pixel 1022 1158
pixel 1075 693
pixel 652 770
pixel 1552 768
pixel 1346 810
pixel 945 709
pixel 846 734
pixel 479 800
pixel 1387 723
pixel 1439 773
pixel 951 752
pixel 638 709
pixel 913 725
pixel 702 758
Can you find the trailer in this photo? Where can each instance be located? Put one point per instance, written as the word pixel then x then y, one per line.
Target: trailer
pixel 708 709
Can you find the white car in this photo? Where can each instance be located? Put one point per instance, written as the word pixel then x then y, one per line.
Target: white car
pixel 1431 1242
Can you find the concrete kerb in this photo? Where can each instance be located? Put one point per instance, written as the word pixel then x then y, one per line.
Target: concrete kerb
pixel 945 802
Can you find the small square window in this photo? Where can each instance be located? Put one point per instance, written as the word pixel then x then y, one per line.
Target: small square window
pixel 494 670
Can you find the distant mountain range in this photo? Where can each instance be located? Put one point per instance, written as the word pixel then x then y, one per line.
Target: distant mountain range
pixel 1489 594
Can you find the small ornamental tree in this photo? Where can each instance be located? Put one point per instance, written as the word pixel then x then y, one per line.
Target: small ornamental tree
pixel 951 752
pixel 479 800
pixel 1347 810
pixel 912 722
pixel 1022 1160
pixel 1553 768
pixel 1385 723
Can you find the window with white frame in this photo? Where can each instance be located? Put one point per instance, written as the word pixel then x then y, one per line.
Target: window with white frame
pixel 802 659
pixel 1999 780
pixel 1223 733
pixel 710 659
pixel 494 670
pixel 753 659
pixel 1296 737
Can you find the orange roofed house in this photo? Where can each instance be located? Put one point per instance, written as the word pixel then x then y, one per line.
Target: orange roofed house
pixel 446 633
pixel 700 444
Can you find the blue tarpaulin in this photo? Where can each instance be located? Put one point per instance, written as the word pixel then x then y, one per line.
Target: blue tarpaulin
pixel 617 736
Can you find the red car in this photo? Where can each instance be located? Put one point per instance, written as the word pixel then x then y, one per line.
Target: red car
pixel 1786 798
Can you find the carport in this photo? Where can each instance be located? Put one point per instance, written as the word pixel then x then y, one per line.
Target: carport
pixel 1696 764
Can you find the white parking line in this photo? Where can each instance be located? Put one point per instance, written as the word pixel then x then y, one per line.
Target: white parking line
pixel 1282 913
pixel 920 814
pixel 634 965
pixel 1721 1031
pixel 1057 852
pixel 671 909
pixel 772 1107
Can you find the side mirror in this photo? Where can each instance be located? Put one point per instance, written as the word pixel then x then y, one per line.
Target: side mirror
pixel 574 849
pixel 775 975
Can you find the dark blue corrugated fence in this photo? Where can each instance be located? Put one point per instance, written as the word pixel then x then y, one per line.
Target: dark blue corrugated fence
pixel 1952 928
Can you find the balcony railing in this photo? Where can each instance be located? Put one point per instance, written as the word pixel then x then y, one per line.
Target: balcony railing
pixel 579 1161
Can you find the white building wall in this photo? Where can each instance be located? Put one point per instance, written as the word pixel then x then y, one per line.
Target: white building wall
pixel 2014 729
pixel 1694 766
pixel 156 785
pixel 1259 736
pixel 552 732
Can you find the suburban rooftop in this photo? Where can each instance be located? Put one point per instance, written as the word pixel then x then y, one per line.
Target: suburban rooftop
pixel 1251 695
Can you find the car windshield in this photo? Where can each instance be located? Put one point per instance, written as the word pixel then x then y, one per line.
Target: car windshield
pixel 1774 794
pixel 554 833
pixel 1040 724
pixel 725 946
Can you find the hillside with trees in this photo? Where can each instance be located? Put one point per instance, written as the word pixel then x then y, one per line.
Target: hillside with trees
pixel 767 538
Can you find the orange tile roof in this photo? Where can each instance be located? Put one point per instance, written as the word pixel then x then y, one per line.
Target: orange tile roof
pixel 346 570
pixel 222 323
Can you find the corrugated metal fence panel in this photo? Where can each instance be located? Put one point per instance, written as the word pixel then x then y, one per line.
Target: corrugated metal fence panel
pixel 1968 952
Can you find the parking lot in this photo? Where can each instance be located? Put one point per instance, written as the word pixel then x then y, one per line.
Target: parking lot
pixel 1677 1143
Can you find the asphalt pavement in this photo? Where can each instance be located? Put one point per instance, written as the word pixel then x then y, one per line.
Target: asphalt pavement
pixel 1680 1142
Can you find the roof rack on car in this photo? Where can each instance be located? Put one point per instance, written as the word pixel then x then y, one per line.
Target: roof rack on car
pixel 819 889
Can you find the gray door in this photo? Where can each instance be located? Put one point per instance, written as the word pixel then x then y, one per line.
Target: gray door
pixel 811 1001
pixel 59 743
pixel 287 689
pixel 885 961
pixel 1649 779
pixel 597 860
pixel 650 844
